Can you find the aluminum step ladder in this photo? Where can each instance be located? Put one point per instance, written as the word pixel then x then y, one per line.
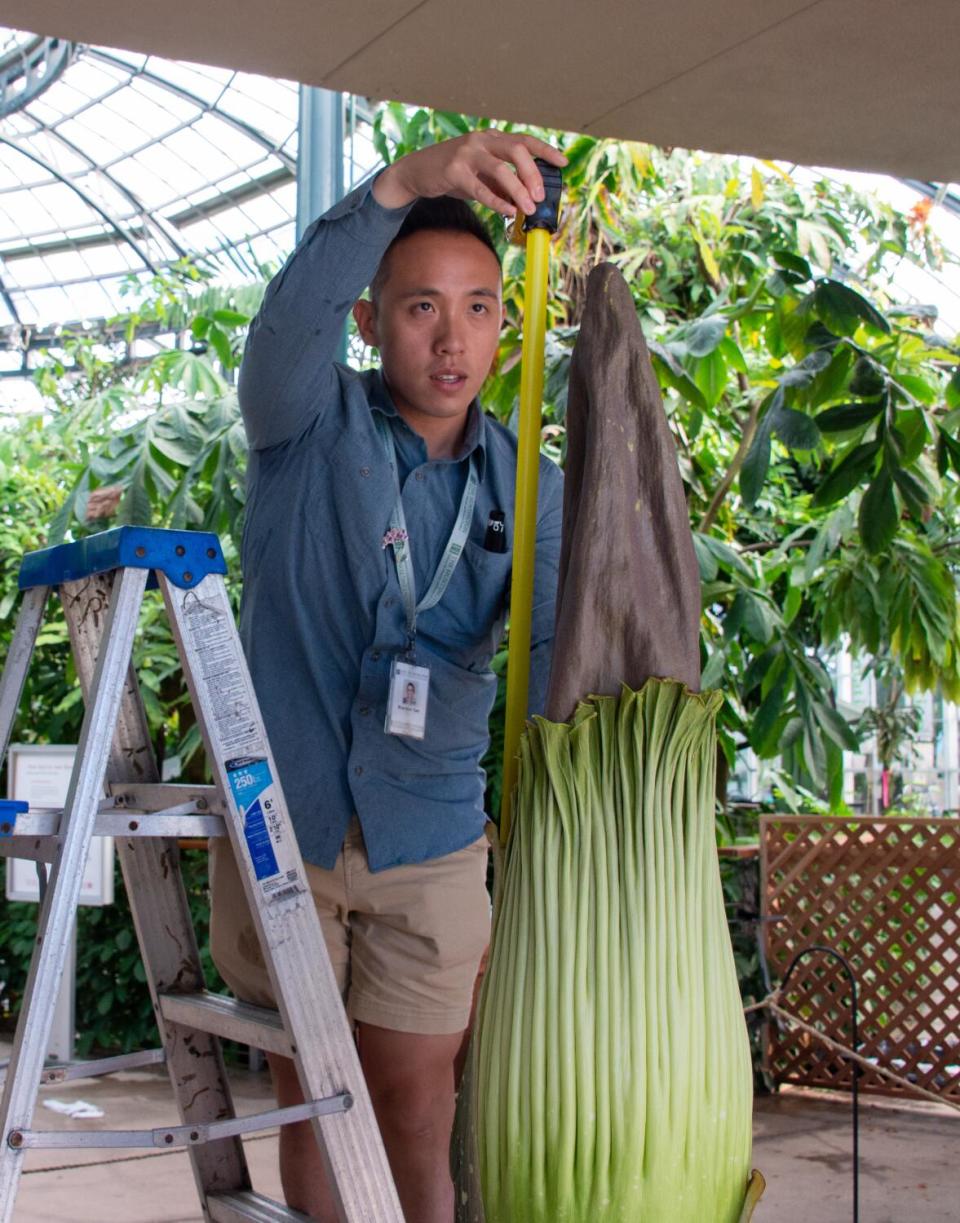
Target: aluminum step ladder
pixel 115 790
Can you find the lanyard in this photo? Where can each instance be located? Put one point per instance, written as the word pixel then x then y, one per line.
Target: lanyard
pixel 400 540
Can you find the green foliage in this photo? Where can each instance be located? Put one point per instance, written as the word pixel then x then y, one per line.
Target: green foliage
pixel 816 421
pixel 815 418
pixel 113 1009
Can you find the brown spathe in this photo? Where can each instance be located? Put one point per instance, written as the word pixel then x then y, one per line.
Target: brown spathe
pixel 628 604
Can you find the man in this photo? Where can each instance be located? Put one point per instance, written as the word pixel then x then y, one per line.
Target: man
pixel 373 559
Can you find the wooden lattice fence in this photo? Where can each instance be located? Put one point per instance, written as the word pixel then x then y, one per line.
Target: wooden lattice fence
pixel 885 893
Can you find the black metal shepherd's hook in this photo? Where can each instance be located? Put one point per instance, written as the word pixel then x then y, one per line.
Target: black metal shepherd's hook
pixel 855 1040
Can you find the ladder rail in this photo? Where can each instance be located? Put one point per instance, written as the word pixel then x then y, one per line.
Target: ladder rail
pixel 58 912
pixel 158 903
pixel 14 676
pixel 324 1050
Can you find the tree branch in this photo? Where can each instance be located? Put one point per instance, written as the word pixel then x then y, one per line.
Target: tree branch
pixel 746 440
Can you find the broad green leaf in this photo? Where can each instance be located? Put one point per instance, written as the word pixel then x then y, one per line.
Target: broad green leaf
pixel 868 380
pixel 670 373
pixel 848 416
pixel 733 620
pixel 835 727
pixel 231 318
pixel 756 189
pixel 953 389
pixel 135 507
pixel 796 430
pixel 753 473
pixel 831 382
pixel 810 239
pixel 951 448
pixel 703 335
pixel 706 560
pixel 814 754
pixel 842 309
pixel 847 474
pixel 733 355
pixel 794 322
pixel 756 619
pixel 713 671
pixel 173 450
pixel 758 668
pixel 835 776
pixel 761 734
pixel 727 557
pixel 774 336
pixel 878 513
pixel 221 345
pixel 709 259
pixel 710 375
pixel 792 604
pixel 914 491
pixel 793 263
pixel 918 387
pixel 913 424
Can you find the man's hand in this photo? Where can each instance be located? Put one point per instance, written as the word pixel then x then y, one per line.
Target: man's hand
pixel 494 168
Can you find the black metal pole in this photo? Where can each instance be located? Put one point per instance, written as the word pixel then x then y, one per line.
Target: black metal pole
pixel 855 1040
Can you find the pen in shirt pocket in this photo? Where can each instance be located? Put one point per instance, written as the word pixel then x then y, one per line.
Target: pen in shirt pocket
pixel 495 539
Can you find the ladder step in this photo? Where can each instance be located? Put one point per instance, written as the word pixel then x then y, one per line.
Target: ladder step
pixel 251 1207
pixel 158 796
pixel 173 1136
pixel 45 823
pixel 258 1026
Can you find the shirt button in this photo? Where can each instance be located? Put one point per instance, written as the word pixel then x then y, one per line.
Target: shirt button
pixel 389 601
pixel 364 710
pixel 359 770
pixel 421 476
pixel 375 655
pixel 364 471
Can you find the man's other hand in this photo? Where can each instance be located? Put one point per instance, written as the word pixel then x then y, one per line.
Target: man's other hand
pixel 494 168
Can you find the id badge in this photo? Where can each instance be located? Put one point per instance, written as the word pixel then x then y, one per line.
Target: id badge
pixel 407 702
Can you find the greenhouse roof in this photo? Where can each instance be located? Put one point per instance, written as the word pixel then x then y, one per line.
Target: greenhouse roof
pixel 115 163
pixel 856 84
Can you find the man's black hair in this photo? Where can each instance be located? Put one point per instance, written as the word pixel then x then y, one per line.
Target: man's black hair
pixel 443 213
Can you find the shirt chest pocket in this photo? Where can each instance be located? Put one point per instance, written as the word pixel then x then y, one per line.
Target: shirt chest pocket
pixel 473 609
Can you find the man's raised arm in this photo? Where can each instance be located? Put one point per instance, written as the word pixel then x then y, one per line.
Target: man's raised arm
pixel 287 366
pixel 287 369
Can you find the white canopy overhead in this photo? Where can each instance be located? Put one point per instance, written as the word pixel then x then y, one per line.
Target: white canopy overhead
pixel 862 84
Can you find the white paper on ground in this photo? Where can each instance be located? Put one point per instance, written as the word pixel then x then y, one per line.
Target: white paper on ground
pixel 74 1108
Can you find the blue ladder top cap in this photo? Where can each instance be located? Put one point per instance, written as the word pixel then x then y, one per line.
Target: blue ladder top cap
pixel 10 808
pixel 185 557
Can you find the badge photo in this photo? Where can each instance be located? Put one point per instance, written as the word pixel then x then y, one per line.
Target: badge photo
pixel 407 701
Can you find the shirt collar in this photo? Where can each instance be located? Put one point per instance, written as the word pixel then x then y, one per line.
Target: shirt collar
pixel 475 437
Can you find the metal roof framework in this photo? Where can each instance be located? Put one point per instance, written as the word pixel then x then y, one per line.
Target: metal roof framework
pixel 115 165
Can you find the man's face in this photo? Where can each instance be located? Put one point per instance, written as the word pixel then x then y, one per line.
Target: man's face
pixel 436 323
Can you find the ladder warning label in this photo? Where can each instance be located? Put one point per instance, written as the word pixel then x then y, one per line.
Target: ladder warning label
pixel 235 729
pixel 219 668
pixel 253 789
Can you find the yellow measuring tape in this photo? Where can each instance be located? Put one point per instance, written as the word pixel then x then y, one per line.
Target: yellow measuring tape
pixel 539 229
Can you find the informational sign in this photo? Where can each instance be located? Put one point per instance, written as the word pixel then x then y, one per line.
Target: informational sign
pixel 40 775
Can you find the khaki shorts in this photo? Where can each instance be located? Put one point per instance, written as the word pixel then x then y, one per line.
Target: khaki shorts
pixel 405 943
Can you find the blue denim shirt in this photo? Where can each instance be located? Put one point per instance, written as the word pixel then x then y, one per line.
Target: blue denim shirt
pixel 322 616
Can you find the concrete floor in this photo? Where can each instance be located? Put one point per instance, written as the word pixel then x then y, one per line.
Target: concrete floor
pixel 910 1159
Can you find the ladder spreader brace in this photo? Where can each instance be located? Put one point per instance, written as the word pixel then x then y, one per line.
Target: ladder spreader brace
pixel 115 790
